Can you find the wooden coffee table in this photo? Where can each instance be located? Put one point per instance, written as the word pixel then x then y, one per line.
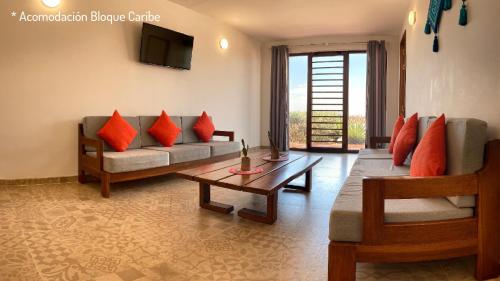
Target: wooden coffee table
pixel 275 176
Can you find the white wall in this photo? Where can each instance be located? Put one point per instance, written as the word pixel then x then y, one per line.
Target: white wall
pixel 342 43
pixel 463 78
pixel 53 74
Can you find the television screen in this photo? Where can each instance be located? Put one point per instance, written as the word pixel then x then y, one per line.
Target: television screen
pixel 165 47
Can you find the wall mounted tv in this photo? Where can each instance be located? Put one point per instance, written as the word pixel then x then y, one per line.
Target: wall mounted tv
pixel 165 47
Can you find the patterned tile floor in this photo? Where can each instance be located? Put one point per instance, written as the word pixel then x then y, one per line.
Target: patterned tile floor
pixel 154 230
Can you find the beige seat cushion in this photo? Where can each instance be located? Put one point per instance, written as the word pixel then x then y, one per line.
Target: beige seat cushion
pixel 377 168
pixel 132 160
pixel 183 152
pixel 220 147
pixel 370 153
pixel 346 214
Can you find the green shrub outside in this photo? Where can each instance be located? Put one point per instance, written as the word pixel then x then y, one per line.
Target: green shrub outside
pixel 356 126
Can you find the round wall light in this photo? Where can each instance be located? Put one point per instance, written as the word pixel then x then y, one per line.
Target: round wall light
pixel 412 17
pixel 223 43
pixel 51 3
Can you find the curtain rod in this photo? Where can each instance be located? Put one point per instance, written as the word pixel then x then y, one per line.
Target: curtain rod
pixel 327 44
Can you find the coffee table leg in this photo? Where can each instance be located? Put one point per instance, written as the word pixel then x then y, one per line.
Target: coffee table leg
pixel 307 186
pixel 211 205
pixel 269 217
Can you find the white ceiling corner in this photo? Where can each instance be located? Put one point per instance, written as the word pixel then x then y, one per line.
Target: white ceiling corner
pixel 292 19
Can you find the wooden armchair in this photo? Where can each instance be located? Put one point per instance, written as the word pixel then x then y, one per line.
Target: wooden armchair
pixel 433 240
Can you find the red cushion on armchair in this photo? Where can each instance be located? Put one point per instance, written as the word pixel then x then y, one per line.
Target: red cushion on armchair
pixel 429 158
pixel 397 127
pixel 405 141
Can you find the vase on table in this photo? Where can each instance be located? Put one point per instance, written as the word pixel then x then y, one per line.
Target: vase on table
pixel 245 163
pixel 245 160
pixel 275 154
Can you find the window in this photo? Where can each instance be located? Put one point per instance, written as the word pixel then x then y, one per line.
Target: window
pixel 327 101
pixel 298 72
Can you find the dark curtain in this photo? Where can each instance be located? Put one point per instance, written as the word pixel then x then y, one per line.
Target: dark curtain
pixel 376 79
pixel 279 97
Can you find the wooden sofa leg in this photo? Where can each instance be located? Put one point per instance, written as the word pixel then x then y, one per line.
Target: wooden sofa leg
pixel 341 261
pixel 82 178
pixel 105 185
pixel 486 267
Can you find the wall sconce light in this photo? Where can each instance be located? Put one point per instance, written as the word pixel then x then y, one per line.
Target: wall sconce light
pixel 51 3
pixel 412 17
pixel 223 43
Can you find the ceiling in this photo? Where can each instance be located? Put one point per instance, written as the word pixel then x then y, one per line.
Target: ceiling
pixel 291 19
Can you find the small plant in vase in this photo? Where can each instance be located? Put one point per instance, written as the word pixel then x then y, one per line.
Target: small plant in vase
pixel 275 152
pixel 245 160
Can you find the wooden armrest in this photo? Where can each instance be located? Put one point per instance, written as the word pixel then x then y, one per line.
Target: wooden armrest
pixel 375 142
pixel 97 144
pixel 84 159
pixel 229 134
pixel 376 190
pixel 422 187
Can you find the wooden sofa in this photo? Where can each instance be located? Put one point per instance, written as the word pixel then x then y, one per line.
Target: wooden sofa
pixel 145 156
pixel 378 233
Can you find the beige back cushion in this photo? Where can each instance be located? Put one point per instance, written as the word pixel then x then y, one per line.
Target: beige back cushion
pixel 465 141
pixel 423 125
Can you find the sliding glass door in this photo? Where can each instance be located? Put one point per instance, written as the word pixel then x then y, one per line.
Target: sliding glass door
pixel 320 101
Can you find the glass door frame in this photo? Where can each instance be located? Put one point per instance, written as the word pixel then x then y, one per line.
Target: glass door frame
pixel 345 118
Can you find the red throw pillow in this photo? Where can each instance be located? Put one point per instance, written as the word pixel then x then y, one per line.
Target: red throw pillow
pixel 117 132
pixel 164 130
pixel 429 158
pixel 405 141
pixel 204 128
pixel 397 127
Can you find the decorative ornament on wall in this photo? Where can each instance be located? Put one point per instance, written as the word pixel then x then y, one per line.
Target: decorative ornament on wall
pixel 447 5
pixel 463 14
pixel 436 8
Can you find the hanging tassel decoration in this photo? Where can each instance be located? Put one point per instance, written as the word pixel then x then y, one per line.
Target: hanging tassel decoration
pixel 447 5
pixel 427 29
pixel 463 15
pixel 435 45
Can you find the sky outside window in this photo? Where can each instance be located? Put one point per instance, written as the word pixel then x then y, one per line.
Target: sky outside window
pixel 298 83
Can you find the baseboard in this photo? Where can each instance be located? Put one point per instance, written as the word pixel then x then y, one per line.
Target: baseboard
pixel 34 181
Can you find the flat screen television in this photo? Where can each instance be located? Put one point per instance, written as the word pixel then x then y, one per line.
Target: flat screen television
pixel 165 47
